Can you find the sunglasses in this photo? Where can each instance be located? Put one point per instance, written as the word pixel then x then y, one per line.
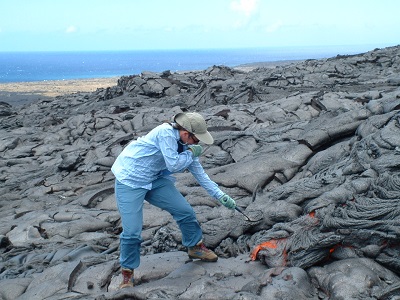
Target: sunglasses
pixel 195 139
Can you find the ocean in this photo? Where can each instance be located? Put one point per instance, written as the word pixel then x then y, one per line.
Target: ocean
pixel 41 66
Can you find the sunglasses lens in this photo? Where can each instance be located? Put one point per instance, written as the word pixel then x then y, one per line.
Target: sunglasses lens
pixel 195 140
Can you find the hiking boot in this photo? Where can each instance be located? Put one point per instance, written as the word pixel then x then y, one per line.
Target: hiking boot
pixel 127 278
pixel 200 251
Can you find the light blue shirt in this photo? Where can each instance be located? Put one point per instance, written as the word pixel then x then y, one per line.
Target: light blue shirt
pixel 156 155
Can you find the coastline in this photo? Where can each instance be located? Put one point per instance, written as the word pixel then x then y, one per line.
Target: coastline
pixel 20 93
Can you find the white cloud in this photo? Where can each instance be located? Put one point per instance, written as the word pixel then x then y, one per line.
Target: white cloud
pixel 71 29
pixel 274 27
pixel 244 6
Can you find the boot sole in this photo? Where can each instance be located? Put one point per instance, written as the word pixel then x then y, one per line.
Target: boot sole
pixel 203 259
pixel 126 285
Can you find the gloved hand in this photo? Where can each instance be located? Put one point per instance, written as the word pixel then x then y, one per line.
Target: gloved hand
pixel 227 201
pixel 196 150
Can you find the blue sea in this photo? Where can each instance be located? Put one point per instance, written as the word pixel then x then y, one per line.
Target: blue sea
pixel 40 66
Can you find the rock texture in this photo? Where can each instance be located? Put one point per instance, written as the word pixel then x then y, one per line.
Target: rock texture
pixel 310 151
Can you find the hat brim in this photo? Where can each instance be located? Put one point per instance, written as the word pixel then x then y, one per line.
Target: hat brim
pixel 206 138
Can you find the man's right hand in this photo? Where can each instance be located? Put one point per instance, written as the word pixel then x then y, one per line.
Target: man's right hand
pixel 196 150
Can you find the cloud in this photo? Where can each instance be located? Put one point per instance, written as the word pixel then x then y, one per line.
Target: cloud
pixel 246 7
pixel 71 29
pixel 274 27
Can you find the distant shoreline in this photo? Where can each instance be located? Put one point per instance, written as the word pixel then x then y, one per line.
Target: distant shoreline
pixel 20 93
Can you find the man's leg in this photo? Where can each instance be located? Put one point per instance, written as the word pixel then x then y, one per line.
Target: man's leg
pixel 130 206
pixel 165 195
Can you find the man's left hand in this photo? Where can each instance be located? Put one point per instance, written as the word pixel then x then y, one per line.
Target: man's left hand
pixel 227 201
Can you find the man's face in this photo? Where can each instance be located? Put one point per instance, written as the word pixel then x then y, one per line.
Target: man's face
pixel 188 138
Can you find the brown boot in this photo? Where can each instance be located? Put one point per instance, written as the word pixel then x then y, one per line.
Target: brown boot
pixel 127 278
pixel 200 251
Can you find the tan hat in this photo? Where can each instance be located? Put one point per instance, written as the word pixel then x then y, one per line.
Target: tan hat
pixel 195 123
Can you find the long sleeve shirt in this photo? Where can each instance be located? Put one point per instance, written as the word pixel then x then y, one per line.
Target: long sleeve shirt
pixel 155 155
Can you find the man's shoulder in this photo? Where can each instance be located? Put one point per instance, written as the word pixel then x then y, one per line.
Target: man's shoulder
pixel 166 129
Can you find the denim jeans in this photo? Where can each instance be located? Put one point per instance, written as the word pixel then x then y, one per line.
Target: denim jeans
pixel 163 195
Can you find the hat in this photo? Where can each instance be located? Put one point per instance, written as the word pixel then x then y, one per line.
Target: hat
pixel 195 123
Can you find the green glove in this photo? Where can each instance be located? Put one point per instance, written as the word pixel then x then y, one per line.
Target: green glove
pixel 196 150
pixel 227 201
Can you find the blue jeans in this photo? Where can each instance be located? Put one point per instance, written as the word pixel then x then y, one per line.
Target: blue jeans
pixel 130 205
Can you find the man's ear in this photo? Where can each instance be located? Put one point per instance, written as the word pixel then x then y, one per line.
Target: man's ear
pixel 183 134
pixel 186 135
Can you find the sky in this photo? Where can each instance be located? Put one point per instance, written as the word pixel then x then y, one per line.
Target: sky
pixel 91 25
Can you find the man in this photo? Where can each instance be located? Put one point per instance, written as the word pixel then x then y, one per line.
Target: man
pixel 143 172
